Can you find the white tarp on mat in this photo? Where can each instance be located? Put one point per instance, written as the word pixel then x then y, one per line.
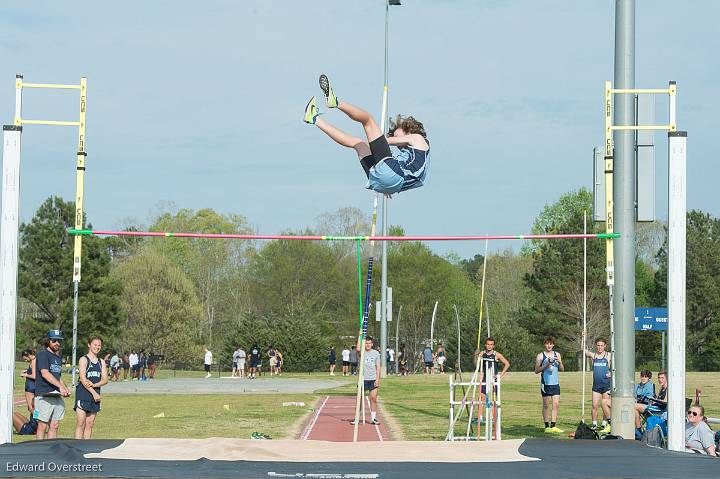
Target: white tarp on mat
pixel 228 449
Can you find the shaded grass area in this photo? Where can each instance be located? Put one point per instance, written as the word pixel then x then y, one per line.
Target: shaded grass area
pixel 419 403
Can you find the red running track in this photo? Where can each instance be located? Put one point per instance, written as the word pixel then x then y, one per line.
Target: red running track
pixel 333 422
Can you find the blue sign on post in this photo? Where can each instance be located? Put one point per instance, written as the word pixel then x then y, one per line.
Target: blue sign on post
pixel 651 319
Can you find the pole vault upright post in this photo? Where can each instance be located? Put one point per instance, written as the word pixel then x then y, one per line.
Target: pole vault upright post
pixel 8 273
pixel 79 196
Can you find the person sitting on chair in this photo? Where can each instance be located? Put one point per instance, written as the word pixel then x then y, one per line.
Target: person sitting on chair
pixel 656 404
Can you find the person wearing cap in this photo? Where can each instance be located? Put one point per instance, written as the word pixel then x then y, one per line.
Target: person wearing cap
pixel 49 387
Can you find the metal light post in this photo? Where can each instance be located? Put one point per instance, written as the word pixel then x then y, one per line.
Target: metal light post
pixel 383 127
pixel 623 402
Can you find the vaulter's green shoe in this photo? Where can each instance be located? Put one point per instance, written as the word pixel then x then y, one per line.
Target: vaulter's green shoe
pixel 330 98
pixel 311 111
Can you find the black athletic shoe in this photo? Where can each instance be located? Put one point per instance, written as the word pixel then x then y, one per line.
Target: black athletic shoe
pixel 375 422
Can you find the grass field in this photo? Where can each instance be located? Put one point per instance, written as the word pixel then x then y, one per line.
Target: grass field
pixel 418 404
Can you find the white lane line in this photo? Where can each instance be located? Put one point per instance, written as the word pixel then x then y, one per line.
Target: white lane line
pixel 377 428
pixel 310 426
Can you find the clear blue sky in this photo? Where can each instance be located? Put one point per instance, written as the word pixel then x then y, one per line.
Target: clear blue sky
pixel 200 103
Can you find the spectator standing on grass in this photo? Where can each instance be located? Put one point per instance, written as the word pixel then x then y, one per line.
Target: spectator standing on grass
pixel 254 360
pixel 353 360
pixel 151 365
pixel 29 375
pixel 49 387
pixel 235 358
pixel 272 360
pixel 332 359
pixel 428 358
pixel 699 438
pixel 345 360
pixel 93 375
pixel 125 365
pixel 402 360
pixel 134 365
pixel 115 367
pixel 441 358
pixel 548 364
pixel 142 365
pixel 241 361
pixel 278 362
pixel 391 361
pixel 207 361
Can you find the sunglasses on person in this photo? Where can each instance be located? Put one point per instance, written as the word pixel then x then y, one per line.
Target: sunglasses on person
pixel 56 340
pixel 693 413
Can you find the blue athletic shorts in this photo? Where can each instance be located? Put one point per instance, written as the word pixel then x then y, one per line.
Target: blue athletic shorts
pixel 383 171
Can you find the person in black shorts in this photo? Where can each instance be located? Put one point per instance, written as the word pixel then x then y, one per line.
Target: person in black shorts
pixel 24 426
pixel 29 375
pixel 254 361
pixel 332 359
pixel 489 369
pixel 93 375
pixel 371 376
pixel 125 365
pixel 386 173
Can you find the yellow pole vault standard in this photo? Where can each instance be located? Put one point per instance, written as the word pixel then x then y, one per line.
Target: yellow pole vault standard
pixel 79 183
pixel 671 91
pixel 79 197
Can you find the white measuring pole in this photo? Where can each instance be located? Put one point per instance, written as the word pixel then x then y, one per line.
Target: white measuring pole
pixel 677 211
pixel 8 273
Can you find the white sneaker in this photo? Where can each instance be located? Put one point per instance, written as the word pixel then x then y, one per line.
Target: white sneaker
pixel 208 376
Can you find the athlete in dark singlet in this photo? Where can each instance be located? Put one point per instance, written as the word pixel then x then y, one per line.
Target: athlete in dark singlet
pixel 93 375
pixel 489 369
pixel 29 375
pixel 602 383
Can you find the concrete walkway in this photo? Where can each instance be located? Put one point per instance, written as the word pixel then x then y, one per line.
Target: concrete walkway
pixel 216 385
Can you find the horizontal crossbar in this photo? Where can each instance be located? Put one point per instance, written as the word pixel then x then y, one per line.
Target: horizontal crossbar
pixel 56 86
pixel 73 231
pixel 641 91
pixel 644 127
pixel 49 122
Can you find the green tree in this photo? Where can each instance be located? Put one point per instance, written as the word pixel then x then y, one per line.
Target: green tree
pixel 703 290
pixel 160 306
pixel 555 303
pixel 211 264
pixel 45 279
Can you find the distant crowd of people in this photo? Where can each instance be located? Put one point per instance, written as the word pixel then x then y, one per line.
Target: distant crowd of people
pixel 249 364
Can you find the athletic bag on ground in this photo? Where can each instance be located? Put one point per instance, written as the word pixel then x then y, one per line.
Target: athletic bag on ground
pixel 653 421
pixel 584 431
pixel 654 437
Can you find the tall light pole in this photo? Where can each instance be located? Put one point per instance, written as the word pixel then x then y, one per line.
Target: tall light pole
pixel 383 127
pixel 623 402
